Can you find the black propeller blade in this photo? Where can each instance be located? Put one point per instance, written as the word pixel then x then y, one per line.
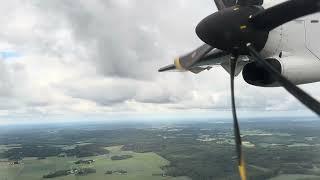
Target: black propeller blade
pixel 186 61
pixel 302 96
pixel 221 4
pixel 249 2
pixel 236 128
pixel 167 68
pixel 277 15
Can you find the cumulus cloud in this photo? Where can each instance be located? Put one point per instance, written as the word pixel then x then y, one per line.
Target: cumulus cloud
pixel 131 39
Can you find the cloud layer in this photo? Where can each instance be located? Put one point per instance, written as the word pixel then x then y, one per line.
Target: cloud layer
pixel 69 59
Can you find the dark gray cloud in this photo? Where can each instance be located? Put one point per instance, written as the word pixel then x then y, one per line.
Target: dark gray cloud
pixel 129 39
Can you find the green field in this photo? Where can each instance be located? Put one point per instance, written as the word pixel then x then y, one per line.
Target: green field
pixel 4 148
pixel 141 166
pixel 295 177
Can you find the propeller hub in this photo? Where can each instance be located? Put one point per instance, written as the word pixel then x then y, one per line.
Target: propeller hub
pixel 230 30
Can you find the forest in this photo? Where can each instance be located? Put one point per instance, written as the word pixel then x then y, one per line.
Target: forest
pixel 200 151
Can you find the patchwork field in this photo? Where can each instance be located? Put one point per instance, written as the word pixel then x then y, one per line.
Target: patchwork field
pixel 275 150
pixel 295 177
pixel 140 166
pixel 4 148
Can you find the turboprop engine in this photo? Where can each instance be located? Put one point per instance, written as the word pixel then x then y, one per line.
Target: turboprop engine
pixel 296 69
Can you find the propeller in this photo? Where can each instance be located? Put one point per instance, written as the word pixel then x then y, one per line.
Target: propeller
pixel 186 61
pixel 276 16
pixel 236 128
pixel 195 61
pixel 243 29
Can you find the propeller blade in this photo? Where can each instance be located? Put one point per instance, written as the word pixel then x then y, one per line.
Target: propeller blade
pixel 186 61
pixel 277 15
pixel 302 96
pixel 241 162
pixel 249 2
pixel 222 4
pixel 167 68
pixel 219 4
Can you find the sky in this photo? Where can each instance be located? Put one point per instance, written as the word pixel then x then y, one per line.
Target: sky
pixel 67 60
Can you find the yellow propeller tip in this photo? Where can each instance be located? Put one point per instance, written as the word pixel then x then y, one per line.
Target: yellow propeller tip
pixel 242 171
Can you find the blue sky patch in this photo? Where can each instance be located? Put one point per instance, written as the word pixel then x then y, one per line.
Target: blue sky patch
pixel 9 54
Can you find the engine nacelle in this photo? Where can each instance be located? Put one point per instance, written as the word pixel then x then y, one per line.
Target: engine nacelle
pixel 298 70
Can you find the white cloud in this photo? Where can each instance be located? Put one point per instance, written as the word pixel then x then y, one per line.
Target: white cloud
pixel 88 59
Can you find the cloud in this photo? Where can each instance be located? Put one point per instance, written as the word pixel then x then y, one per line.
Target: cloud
pixel 86 59
pixel 128 40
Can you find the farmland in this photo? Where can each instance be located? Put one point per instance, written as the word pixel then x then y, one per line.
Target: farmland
pixel 140 166
pixel 274 149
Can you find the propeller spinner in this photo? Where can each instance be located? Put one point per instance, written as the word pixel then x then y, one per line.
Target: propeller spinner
pixel 229 30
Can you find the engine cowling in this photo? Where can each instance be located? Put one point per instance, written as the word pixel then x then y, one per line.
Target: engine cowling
pixel 297 70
